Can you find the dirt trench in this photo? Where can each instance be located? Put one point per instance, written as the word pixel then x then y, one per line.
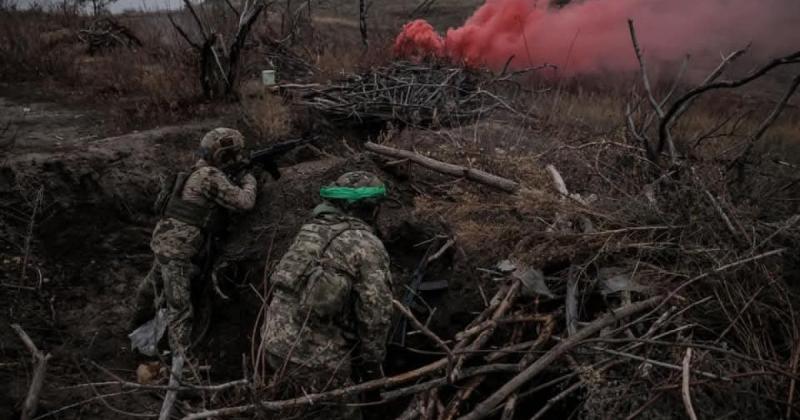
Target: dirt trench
pixel 77 215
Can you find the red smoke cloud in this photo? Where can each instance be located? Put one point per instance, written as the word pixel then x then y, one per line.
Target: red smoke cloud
pixel 592 35
pixel 417 40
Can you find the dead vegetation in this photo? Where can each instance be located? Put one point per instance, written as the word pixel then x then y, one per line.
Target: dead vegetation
pixel 407 94
pixel 598 266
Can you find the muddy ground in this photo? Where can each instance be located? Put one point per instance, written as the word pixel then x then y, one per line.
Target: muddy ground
pixel 76 213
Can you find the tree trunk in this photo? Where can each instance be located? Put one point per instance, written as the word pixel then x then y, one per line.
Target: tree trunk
pixel 362 21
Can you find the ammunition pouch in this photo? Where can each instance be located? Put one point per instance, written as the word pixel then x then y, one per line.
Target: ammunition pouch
pixel 190 213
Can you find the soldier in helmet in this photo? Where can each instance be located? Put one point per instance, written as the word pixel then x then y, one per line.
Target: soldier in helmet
pixel 331 307
pixel 189 208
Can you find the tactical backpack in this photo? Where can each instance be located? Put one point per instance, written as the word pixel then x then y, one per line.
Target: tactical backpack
pixel 301 276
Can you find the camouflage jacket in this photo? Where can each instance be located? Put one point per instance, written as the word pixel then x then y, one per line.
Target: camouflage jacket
pixel 207 186
pixel 332 294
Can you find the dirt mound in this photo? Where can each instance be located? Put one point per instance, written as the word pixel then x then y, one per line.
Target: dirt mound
pixel 611 241
pixel 78 217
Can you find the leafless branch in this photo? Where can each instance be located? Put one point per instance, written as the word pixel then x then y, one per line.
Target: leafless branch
pixel 183 33
pixel 687 397
pixel 769 121
pixel 678 106
pixel 175 374
pixel 425 330
pixel 32 399
pixel 485 407
pixel 657 106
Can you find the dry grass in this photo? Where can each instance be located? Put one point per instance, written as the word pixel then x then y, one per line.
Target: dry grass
pixel 146 86
pixel 678 244
pixel 265 112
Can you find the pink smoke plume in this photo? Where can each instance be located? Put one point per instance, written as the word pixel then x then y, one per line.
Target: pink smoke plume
pixel 592 35
pixel 417 40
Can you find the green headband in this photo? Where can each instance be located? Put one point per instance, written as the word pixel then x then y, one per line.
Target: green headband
pixel 352 194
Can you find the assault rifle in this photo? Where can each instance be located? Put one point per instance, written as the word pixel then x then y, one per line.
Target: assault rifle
pixel 416 286
pixel 266 157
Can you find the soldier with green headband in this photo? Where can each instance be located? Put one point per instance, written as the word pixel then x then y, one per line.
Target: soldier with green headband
pixel 331 309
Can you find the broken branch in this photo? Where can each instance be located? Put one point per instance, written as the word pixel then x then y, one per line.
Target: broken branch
pixel 309 399
pixel 687 398
pixel 430 334
pixel 476 175
pixel 678 106
pixel 32 399
pixel 485 407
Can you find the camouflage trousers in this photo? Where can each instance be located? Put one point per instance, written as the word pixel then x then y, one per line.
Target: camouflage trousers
pixel 168 283
pixel 294 380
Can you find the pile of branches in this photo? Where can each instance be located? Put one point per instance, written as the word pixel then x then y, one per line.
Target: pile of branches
pixel 422 95
pixel 663 300
pixel 107 33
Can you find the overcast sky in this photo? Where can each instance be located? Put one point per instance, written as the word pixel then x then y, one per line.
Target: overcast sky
pixel 120 5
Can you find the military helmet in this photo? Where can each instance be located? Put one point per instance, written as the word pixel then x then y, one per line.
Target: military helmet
pixel 356 179
pixel 356 187
pixel 222 145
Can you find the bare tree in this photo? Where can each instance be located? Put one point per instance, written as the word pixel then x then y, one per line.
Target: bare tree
pixel 363 9
pixel 654 130
pixel 8 4
pixel 98 6
pixel 219 62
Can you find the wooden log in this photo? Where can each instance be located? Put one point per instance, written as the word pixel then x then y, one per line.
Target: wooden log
pixel 476 175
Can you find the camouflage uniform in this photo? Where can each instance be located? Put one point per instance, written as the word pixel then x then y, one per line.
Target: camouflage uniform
pixel 178 240
pixel 332 299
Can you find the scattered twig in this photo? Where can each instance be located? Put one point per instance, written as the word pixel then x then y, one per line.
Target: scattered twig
pixel 175 375
pixel 309 399
pixel 425 330
pixel 793 382
pixel 687 398
pixel 560 396
pixel 484 407
pixel 37 201
pixel 84 402
pixel 134 385
pixel 35 389
pixel 483 337
pixel 571 301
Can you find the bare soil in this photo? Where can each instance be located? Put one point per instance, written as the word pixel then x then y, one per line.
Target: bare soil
pixel 84 246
